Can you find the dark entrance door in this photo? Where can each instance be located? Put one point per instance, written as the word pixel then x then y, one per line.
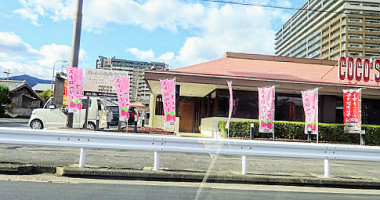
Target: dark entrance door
pixel 186 115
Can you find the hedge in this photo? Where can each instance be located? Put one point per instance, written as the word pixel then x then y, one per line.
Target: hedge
pixel 295 131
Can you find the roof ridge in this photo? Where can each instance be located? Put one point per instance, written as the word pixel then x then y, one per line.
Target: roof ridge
pixel 278 58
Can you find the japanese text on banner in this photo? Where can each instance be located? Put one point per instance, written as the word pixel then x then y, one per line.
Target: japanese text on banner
pixel 352 111
pixel 310 105
pixel 168 99
pixel 229 83
pixel 122 90
pixel 74 88
pixel 266 110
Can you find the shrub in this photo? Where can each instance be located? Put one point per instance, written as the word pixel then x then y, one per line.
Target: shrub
pixel 295 131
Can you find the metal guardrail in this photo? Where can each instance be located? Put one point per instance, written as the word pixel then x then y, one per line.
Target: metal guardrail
pixel 159 144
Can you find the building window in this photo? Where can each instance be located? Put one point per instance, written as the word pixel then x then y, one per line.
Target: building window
pixel 354 45
pixel 159 106
pixel 245 104
pixel 355 36
pixel 355 28
pixel 289 107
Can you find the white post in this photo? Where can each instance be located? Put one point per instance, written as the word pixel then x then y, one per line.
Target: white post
pixel 244 164
pixel 327 168
pixel 82 158
pixel 156 165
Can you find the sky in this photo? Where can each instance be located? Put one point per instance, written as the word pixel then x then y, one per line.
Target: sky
pixel 36 35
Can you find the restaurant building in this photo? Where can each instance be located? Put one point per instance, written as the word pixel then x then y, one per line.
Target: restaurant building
pixel 202 97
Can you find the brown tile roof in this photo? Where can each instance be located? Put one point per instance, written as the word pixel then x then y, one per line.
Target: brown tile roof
pixel 273 68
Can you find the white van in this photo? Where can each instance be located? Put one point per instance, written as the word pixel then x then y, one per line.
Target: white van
pixel 56 116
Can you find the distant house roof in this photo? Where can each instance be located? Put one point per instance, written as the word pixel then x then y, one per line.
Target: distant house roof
pixel 13 85
pixel 42 87
pixel 16 85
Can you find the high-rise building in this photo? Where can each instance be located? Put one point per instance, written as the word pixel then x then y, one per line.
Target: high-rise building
pixel 139 91
pixel 328 29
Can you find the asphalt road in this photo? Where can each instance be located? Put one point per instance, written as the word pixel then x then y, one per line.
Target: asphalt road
pixel 55 191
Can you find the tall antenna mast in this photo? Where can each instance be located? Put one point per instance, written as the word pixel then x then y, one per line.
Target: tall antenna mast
pixel 7 73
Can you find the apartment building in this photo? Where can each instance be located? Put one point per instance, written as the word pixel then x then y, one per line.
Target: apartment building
pixel 139 91
pixel 328 29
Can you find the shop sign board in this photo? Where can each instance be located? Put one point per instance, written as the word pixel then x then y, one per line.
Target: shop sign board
pixel 122 90
pixel 266 109
pixel 310 105
pixel 352 111
pixel 358 69
pixel 74 88
pixel 102 81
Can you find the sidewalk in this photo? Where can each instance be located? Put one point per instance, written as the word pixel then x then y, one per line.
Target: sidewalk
pixel 13 120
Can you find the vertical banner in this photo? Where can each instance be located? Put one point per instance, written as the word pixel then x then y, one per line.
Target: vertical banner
pixel 74 89
pixel 310 105
pixel 122 90
pixel 229 83
pixel 352 111
pixel 266 110
pixel 168 99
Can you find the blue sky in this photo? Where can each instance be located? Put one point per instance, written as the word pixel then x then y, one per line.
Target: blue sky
pixel 35 34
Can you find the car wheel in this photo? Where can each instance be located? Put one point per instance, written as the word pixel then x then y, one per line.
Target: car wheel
pixel 91 125
pixel 36 124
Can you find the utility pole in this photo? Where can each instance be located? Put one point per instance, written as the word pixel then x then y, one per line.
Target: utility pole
pixel 75 49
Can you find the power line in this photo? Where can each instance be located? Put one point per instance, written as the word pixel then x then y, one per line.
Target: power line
pixel 268 6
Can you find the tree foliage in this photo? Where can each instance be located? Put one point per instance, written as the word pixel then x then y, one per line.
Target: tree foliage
pixel 4 95
pixel 45 95
pixel 4 98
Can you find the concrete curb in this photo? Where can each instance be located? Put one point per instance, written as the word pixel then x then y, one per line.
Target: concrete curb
pixel 189 176
pixel 17 168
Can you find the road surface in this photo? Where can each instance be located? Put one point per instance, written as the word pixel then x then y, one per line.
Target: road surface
pixel 123 189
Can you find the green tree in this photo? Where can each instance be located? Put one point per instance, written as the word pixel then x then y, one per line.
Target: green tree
pixel 4 98
pixel 45 95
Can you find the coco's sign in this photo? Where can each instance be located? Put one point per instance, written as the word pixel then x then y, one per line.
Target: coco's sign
pixel 358 69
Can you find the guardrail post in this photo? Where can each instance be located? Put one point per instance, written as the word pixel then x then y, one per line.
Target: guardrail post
pixel 327 168
pixel 244 164
pixel 82 157
pixel 251 136
pixel 156 165
pixel 362 139
pixel 308 136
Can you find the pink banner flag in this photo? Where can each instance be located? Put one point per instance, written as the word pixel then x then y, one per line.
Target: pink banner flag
pixel 168 99
pixel 74 89
pixel 352 111
pixel 266 110
pixel 122 90
pixel 310 105
pixel 229 83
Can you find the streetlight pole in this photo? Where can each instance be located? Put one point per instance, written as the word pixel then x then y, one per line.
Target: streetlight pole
pixel 52 77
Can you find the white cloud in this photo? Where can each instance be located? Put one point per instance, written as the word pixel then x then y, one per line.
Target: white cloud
pixel 53 9
pixel 214 28
pixel 20 58
pixel 228 28
pixel 11 45
pixel 142 55
pixel 149 55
